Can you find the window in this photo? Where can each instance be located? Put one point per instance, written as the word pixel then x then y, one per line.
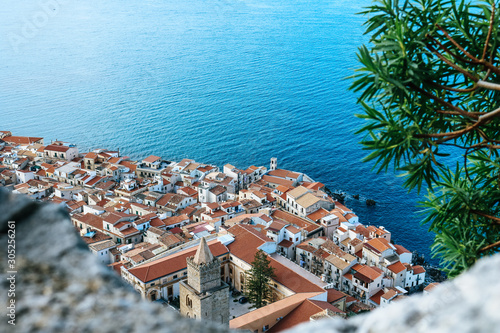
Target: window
pixel 189 302
pixel 175 276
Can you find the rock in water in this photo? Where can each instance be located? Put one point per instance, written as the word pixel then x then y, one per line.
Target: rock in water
pixel 370 202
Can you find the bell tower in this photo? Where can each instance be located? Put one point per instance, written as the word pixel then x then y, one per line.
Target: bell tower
pixel 204 295
pixel 274 163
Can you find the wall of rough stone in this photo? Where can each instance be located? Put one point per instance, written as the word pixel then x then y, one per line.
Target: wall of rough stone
pixel 61 287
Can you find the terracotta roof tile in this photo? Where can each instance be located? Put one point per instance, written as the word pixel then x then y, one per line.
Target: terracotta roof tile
pixel 25 140
pixel 292 219
pixel 396 267
pixel 334 295
pixel 285 243
pixel 58 148
pixel 276 180
pixel 376 298
pixel 302 314
pixel 400 249
pixel 318 214
pixel 175 220
pixel 173 263
pixel 378 244
pixel 151 159
pixel 418 269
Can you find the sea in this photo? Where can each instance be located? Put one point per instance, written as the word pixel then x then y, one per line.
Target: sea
pixel 218 81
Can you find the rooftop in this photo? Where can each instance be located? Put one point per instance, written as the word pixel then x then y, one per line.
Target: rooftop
pixel 170 264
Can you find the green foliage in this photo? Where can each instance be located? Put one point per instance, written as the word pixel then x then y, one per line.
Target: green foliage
pixel 258 279
pixel 430 87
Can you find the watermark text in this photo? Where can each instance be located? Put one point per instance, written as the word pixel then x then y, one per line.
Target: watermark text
pixel 11 273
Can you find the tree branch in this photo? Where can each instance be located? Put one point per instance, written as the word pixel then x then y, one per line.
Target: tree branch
pixel 488 85
pixel 474 59
pixel 451 135
pixel 465 164
pixel 455 133
pixel 457 68
pixel 445 49
pixel 437 85
pixel 489 247
pixel 492 114
pixel 492 18
pixel 483 145
pixel 443 102
pixel 489 66
pixel 495 219
pixel 455 113
pixel 456 44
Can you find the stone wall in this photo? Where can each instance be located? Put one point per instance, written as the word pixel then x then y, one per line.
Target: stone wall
pixel 61 287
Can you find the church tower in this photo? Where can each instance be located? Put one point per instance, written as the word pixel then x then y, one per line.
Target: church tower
pixel 204 295
pixel 274 163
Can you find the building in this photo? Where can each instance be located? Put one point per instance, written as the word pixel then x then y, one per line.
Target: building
pixel 274 163
pixel 160 277
pixel 204 295
pixel 60 151
pixel 286 313
pixel 21 140
pixel 23 176
pixel 302 201
pixel 102 249
pixel 151 166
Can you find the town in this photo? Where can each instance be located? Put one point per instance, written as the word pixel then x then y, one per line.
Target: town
pixel 185 233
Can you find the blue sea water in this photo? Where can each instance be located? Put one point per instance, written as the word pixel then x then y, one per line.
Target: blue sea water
pixel 219 81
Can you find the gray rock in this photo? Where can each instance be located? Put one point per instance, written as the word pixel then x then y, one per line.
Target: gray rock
pixel 61 287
